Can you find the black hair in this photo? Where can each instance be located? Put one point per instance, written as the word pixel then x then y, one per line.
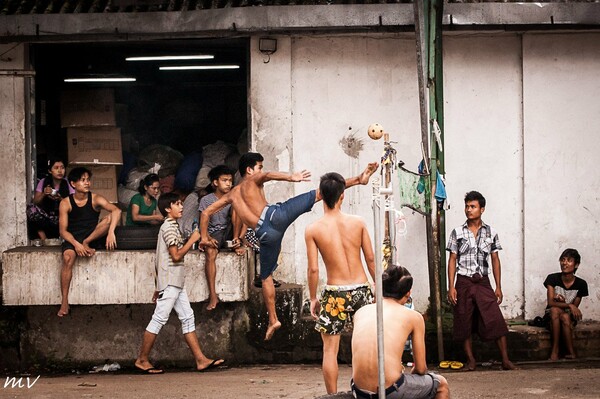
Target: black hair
pixel 475 196
pixel 249 160
pixel 397 282
pixel 218 171
pixel 331 187
pixel 571 253
pixel 147 181
pixel 77 173
pixel 53 160
pixel 215 173
pixel 165 201
pixel 63 189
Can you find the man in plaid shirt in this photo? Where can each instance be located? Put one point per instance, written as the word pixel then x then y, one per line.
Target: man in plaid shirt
pixel 476 304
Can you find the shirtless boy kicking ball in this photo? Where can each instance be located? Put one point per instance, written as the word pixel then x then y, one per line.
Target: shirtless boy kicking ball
pixel 270 221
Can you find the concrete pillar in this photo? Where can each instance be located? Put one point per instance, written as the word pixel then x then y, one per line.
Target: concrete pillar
pixel 13 193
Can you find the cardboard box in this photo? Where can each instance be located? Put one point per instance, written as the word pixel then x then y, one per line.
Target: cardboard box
pixel 94 145
pixel 92 107
pixel 104 181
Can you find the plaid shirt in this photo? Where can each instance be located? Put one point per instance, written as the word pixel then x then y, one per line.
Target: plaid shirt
pixel 472 253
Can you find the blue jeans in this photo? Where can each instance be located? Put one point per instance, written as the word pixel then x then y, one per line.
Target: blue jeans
pixel 273 223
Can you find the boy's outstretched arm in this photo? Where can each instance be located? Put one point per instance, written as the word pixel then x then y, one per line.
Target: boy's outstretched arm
pixel 363 178
pixel 295 177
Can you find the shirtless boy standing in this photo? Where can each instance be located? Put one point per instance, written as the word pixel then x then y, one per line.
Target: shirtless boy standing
pixel 339 238
pixel 270 221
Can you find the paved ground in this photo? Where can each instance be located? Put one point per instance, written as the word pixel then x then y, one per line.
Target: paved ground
pixel 539 380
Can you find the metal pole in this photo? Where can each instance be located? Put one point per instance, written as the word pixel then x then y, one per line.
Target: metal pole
pixel 377 208
pixel 421 8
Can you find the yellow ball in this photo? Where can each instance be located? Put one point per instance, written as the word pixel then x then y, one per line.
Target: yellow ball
pixel 375 131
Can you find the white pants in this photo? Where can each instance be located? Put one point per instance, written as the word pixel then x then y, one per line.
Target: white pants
pixel 168 299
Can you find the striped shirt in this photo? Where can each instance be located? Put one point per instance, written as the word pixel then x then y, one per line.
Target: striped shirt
pixel 169 272
pixel 472 253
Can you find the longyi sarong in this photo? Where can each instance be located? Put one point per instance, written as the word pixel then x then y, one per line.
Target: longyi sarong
pixel 477 310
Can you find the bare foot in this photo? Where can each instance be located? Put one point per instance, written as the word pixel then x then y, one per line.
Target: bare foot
pixel 64 310
pixel 147 367
pixel 367 173
pixel 508 365
pixel 570 356
pixel 271 330
pixel 471 365
pixel 212 304
pixel 553 357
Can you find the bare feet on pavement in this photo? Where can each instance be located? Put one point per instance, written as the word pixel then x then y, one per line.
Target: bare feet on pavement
pixel 471 365
pixel 509 366
pixel 271 330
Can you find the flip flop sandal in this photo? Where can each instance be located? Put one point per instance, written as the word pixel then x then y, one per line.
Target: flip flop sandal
pixel 445 364
pixel 456 365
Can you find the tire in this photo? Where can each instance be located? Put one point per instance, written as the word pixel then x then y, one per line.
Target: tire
pixel 137 237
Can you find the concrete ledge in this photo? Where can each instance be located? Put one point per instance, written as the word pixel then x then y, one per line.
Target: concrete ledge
pixel 525 343
pixel 31 276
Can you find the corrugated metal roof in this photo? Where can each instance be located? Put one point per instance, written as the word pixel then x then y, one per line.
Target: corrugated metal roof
pixel 20 7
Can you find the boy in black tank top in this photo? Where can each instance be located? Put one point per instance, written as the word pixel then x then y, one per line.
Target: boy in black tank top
pixel 79 227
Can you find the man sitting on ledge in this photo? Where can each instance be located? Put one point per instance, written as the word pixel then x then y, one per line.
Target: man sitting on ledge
pixel 78 225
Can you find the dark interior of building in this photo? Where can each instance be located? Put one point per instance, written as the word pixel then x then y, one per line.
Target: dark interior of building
pixel 182 109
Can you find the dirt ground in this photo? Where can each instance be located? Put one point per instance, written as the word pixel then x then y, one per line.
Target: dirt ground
pixel 541 380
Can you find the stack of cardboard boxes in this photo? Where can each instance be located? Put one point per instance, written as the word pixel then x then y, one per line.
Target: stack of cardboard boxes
pixel 93 140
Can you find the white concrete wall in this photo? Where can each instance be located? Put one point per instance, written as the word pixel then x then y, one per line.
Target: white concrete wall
pixel 340 85
pixel 562 145
pixel 270 96
pixel 483 138
pixel 520 128
pixel 13 194
pixel 31 276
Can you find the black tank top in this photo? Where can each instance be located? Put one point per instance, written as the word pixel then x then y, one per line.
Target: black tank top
pixel 84 218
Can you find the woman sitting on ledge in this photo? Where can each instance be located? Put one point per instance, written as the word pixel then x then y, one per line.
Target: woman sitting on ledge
pixel 142 207
pixel 42 215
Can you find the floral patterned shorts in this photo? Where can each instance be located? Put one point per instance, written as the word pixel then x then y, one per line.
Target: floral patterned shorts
pixel 338 304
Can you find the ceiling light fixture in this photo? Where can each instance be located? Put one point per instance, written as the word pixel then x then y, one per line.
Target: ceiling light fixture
pixel 267 46
pixel 195 67
pixel 172 57
pixel 103 80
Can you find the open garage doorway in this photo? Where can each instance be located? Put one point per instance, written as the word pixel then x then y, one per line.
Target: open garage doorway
pixel 161 104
